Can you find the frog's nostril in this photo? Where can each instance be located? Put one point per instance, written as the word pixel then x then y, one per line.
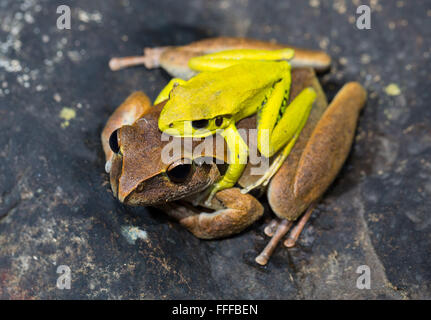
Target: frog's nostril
pixel 140 188
pixel 113 141
pixel 200 124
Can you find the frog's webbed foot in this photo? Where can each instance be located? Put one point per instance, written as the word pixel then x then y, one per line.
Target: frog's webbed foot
pixel 278 229
pixel 150 59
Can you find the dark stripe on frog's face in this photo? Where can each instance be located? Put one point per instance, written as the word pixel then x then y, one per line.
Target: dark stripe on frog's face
pixel 198 128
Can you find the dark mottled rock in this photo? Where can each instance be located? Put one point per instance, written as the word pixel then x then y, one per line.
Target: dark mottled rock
pixel 56 207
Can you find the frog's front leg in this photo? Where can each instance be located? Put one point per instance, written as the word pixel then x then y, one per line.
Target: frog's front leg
pixel 236 212
pixel 237 160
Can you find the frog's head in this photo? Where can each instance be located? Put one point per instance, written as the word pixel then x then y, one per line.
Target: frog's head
pixel 138 174
pixel 196 111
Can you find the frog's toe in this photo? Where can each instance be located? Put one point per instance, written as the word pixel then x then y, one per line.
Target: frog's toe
pixel 282 228
pixel 296 231
pixel 271 227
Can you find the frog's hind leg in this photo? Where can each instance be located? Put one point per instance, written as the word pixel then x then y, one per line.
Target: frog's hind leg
pixel 297 188
pixel 150 59
pixel 272 170
pixel 286 130
pixel 174 59
pixel 206 61
pixel 226 58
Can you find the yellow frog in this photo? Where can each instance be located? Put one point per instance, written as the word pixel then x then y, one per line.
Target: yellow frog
pixel 214 101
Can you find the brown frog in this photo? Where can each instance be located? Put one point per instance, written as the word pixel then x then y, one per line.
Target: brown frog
pixel 133 146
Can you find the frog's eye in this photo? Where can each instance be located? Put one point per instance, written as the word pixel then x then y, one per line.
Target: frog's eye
pixel 200 124
pixel 113 141
pixel 219 121
pixel 179 172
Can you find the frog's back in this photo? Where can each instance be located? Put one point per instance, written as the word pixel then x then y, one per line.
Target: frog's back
pixel 210 94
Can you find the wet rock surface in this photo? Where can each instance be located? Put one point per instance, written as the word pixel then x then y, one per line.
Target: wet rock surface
pixel 56 93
